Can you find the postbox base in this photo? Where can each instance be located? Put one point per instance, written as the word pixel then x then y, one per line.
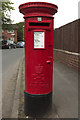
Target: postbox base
pixel 37 105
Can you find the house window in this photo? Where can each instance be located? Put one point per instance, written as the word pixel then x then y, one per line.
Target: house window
pixel 12 39
pixel 10 31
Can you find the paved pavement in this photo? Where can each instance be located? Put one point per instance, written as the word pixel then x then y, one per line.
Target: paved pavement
pixel 10 58
pixel 65 91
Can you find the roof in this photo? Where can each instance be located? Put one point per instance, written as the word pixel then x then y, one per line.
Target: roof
pixel 9 26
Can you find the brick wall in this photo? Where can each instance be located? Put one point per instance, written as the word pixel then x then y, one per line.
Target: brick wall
pixel 69 58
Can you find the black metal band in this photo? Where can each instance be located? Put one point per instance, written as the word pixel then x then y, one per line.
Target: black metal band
pixel 37 105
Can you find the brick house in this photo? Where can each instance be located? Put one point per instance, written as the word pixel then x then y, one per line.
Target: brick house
pixel 9 32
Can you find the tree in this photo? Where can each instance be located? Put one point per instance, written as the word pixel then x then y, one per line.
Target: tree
pixel 5 11
pixel 20 31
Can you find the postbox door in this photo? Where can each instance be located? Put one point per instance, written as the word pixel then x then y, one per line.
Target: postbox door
pixel 39 61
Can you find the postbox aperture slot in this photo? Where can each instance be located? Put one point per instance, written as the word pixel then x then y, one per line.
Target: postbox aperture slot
pixel 39 24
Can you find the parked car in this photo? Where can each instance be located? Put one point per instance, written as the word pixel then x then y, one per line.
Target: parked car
pixel 18 45
pixel 13 45
pixel 8 44
pixel 0 44
pixel 22 44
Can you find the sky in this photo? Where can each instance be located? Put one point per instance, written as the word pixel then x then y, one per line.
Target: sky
pixel 67 11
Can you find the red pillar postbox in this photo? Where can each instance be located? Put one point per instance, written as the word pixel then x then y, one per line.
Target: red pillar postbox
pixel 39 25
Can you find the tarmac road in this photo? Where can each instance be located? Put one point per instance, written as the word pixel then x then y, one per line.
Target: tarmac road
pixel 10 58
pixel 10 62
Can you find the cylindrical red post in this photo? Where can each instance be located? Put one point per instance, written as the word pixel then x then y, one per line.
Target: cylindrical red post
pixel 39 26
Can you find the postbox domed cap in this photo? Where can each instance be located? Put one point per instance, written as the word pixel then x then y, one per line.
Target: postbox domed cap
pixel 38 8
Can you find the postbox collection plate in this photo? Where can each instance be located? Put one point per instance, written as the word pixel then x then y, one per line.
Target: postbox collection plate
pixel 39 38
